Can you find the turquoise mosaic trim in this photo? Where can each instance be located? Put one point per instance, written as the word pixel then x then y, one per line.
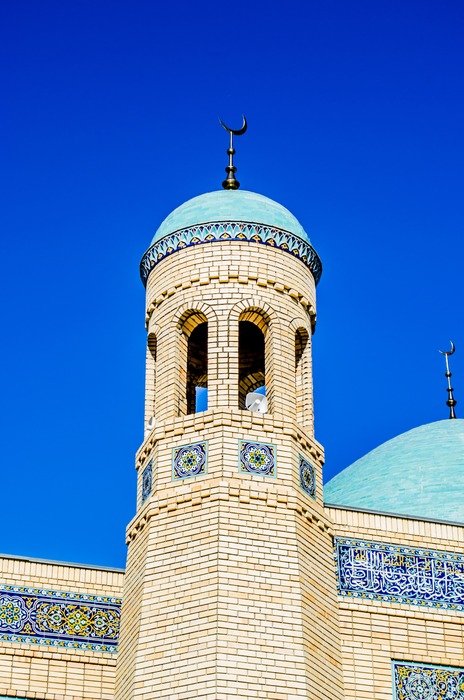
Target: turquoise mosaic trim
pixel 189 460
pixel 59 619
pixel 258 458
pixel 241 231
pixel 392 573
pixel 415 681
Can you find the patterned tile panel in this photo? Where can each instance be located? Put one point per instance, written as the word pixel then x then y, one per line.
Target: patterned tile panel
pixel 307 477
pixel 147 478
pixel 189 460
pixel 257 458
pixel 59 619
pixel 389 572
pixel 414 681
pixel 231 231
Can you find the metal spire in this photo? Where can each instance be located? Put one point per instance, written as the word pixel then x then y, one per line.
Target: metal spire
pixel 230 183
pixel 451 400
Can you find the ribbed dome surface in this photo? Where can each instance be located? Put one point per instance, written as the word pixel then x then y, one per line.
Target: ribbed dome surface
pixel 419 473
pixel 230 205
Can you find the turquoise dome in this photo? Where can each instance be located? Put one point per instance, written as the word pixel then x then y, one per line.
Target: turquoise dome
pixel 418 473
pixel 230 205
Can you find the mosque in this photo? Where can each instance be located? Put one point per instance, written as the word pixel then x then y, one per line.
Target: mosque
pixel 245 578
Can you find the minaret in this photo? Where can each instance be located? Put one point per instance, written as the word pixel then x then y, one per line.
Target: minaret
pixel 230 585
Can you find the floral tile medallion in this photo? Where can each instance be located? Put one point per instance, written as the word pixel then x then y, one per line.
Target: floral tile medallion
pixel 147 480
pixel 257 458
pixel 415 681
pixel 307 477
pixel 189 460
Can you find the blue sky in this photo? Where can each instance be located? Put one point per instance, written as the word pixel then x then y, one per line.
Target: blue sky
pixel 109 121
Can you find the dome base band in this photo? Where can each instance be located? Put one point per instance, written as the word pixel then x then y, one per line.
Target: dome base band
pixel 220 231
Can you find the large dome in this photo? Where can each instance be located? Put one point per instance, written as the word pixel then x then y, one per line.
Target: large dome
pixel 230 205
pixel 418 473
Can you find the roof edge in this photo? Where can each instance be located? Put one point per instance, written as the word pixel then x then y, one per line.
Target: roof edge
pixel 55 562
pixel 401 516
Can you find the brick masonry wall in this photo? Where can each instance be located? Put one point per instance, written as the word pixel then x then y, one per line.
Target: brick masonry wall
pixel 129 637
pixel 33 671
pixel 375 632
pixel 239 594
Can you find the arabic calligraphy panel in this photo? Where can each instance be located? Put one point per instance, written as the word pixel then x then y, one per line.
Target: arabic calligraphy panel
pixel 389 572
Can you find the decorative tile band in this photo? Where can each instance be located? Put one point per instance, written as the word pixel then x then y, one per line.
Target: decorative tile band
pixel 189 460
pixel 257 458
pixel 59 619
pixel 220 231
pixel 147 478
pixel 307 477
pixel 414 681
pixel 389 572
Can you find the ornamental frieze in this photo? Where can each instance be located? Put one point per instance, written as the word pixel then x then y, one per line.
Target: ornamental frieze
pixel 393 573
pixel 217 232
pixel 59 619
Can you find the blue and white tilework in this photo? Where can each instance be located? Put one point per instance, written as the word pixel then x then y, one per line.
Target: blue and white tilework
pixel 147 478
pixel 257 458
pixel 413 681
pixel 59 619
pixel 189 460
pixel 389 572
pixel 231 231
pixel 307 477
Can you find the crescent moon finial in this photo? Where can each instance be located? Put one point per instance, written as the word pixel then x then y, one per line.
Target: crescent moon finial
pixel 231 183
pixel 235 132
pixel 449 352
pixel 451 402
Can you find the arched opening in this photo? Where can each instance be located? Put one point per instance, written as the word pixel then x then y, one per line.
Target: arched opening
pixel 191 384
pixel 252 360
pixel 150 380
pixel 301 375
pixel 197 369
